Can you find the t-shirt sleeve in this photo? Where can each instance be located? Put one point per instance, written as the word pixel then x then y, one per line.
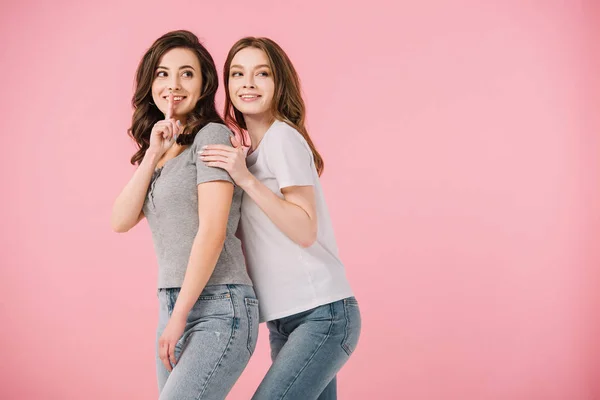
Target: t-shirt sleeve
pixel 210 134
pixel 289 158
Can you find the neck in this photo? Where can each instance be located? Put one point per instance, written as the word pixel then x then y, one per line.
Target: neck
pixel 257 126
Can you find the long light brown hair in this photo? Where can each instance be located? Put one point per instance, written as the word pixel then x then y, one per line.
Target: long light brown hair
pixel 287 104
pixel 146 114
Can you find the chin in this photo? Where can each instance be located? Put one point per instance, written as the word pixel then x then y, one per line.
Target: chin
pixel 250 110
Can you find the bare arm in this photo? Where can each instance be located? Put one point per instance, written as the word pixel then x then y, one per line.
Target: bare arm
pixel 295 215
pixel 127 208
pixel 214 203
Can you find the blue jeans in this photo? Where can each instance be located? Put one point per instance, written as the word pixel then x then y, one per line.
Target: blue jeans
pixel 218 340
pixel 308 349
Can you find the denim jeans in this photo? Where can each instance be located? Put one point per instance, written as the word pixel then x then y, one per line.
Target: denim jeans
pixel 219 338
pixel 308 349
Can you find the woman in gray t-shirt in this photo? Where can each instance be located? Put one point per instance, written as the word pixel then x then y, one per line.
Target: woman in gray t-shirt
pixel 208 308
pixel 313 318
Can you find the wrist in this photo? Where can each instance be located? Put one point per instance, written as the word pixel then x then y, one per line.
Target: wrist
pixel 178 315
pixel 248 182
pixel 151 157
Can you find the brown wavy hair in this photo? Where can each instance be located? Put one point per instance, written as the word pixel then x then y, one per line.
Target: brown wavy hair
pixel 287 105
pixel 146 114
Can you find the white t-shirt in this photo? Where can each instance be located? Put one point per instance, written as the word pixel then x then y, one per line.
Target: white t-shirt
pixel 287 278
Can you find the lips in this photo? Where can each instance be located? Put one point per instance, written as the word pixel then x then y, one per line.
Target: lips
pixel 176 99
pixel 249 97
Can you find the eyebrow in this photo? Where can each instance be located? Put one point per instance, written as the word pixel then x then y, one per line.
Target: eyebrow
pixel 182 67
pixel 257 67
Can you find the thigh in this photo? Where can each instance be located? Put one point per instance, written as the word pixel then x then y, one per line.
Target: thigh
pixel 330 392
pixel 164 311
pixel 215 347
pixel 311 357
pixel 199 373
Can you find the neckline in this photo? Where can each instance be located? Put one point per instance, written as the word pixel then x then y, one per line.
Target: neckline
pixel 159 169
pixel 253 157
pixel 265 135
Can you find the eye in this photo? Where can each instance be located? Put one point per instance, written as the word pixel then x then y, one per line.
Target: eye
pixel 263 73
pixel 161 74
pixel 188 74
pixel 236 73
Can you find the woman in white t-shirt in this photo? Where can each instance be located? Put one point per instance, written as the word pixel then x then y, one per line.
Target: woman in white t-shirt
pixel 313 319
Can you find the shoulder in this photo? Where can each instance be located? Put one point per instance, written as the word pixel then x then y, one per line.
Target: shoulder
pixel 213 133
pixel 282 135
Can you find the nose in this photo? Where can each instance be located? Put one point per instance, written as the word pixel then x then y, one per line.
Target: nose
pixel 249 82
pixel 174 83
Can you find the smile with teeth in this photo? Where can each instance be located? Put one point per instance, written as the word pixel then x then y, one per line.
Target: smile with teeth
pixel 249 97
pixel 176 98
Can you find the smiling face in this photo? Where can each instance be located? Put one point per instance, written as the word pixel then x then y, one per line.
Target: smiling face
pixel 251 86
pixel 178 72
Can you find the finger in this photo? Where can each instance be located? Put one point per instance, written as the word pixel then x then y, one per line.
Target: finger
pixel 169 106
pixel 172 354
pixel 167 131
pixel 173 123
pixel 162 127
pixel 167 364
pixel 163 355
pixel 216 153
pixel 222 159
pixel 174 127
pixel 219 147
pixel 217 164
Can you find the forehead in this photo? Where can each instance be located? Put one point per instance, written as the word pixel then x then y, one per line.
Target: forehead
pixel 177 57
pixel 249 57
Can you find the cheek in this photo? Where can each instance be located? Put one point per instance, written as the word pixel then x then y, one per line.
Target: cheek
pixel 198 88
pixel 232 89
pixel 193 89
pixel 156 90
pixel 232 95
pixel 271 90
pixel 269 95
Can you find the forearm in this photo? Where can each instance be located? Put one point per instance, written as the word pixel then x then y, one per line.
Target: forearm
pixel 290 218
pixel 203 259
pixel 128 205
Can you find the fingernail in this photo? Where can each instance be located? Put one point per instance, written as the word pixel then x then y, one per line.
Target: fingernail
pixel 205 146
pixel 201 151
pixel 178 123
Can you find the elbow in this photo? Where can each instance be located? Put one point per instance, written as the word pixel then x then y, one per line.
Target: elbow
pixel 221 238
pixel 308 241
pixel 216 236
pixel 305 244
pixel 309 237
pixel 119 226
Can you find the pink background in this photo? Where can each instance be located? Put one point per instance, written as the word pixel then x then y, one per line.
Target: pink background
pixel 461 147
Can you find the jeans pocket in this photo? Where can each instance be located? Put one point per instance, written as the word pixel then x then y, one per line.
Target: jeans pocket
pixel 353 325
pixel 252 311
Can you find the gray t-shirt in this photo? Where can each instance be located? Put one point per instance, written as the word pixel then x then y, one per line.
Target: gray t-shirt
pixel 171 208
